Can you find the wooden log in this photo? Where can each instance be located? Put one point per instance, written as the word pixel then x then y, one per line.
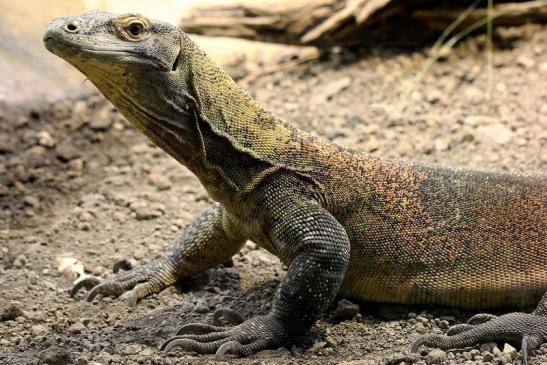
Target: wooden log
pixel 351 22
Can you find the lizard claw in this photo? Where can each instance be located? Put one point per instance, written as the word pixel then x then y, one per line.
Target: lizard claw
pixel 142 281
pixel 481 318
pixel 87 282
pixel 123 264
pixel 458 328
pixel 528 329
pixel 245 339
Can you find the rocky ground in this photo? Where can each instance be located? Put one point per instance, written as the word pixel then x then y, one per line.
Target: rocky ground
pixel 76 179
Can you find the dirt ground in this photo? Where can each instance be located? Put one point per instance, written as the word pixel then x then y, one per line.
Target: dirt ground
pixel 76 178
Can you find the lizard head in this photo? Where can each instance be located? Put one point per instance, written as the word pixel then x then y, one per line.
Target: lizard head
pixel 103 40
pixel 134 61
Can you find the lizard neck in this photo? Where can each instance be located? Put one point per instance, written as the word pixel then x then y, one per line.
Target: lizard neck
pixel 242 141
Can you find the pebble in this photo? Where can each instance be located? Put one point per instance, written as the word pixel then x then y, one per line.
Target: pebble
pixel 81 361
pixel 32 201
pixel 76 328
pixel 474 95
pixel 45 139
pixel 131 349
pixel 420 328
pixel 494 133
pixel 147 352
pixel 435 356
pixel 55 356
pixel 487 357
pixel 102 120
pixel 346 310
pixel 488 347
pixel 160 181
pixel 330 89
pixel 20 261
pixel 39 330
pixel 11 312
pixel 505 359
pixel 526 62
pixel 510 350
pixel 66 151
pixel 143 210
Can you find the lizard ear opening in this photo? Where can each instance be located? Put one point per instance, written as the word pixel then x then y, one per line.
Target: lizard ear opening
pixel 177 59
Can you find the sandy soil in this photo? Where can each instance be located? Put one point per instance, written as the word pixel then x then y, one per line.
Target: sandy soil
pixel 76 178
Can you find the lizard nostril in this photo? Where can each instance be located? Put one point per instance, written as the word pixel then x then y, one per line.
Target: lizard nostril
pixel 71 27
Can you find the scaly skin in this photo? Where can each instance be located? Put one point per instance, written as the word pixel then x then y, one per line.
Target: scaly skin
pixel 343 221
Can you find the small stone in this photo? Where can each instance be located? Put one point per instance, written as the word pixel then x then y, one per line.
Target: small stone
pixel 358 362
pixel 11 312
pixel 494 133
pixel 81 361
pixel 39 330
pixel 131 349
pixel 505 359
pixel 346 310
pixel 66 151
pixel 420 328
pixel 467 355
pixel 55 356
pixel 160 181
pixel 143 211
pixel 510 350
pixel 330 89
pixel 433 96
pixel 20 261
pixel 146 352
pixel 102 119
pixel 201 307
pixel 32 201
pixel 45 139
pixel 435 356
pixel 488 347
pixel 76 164
pixel 76 328
pixel 422 320
pixel 487 357
pixel 526 62
pixel 474 95
pixel 441 144
pixel 444 324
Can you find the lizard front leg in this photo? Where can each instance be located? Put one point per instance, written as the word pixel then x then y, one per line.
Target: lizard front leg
pixel 318 248
pixel 211 239
pixel 527 330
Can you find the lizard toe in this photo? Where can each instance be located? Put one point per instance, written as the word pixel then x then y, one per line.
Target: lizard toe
pixel 527 330
pixel 87 282
pixel 256 334
pixel 114 288
pixel 481 318
pixel 198 329
pixel 122 264
pixel 458 328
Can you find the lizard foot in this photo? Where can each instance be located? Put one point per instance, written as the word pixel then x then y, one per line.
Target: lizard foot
pixel 142 281
pixel 527 330
pixel 256 334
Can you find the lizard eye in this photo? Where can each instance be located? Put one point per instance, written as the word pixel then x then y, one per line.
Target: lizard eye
pixel 136 29
pixel 132 27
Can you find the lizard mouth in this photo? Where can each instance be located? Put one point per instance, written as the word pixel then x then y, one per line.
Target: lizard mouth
pixel 67 50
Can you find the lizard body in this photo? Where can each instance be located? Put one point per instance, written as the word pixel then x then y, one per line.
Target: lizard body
pixel 343 221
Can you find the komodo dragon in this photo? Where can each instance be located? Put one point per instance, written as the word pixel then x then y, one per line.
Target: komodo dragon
pixel 344 222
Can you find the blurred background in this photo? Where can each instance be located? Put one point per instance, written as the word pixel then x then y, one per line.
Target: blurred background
pixel 455 83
